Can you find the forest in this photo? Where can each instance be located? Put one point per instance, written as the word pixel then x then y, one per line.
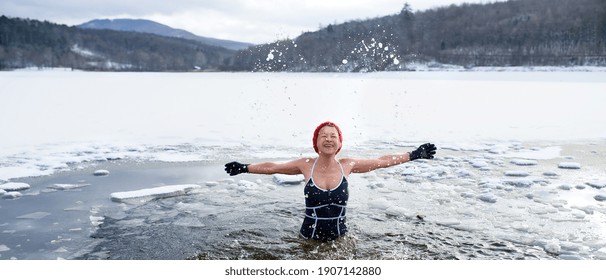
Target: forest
pixel 31 43
pixel 511 33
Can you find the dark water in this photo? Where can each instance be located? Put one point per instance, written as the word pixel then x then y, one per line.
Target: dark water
pixel 231 222
pixel 222 220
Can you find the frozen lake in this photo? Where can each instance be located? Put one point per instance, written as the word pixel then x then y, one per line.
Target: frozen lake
pixel 519 174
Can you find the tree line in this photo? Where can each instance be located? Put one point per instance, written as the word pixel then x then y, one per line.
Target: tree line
pixel 31 43
pixel 511 33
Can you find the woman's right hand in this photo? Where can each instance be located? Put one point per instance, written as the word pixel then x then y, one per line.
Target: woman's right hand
pixel 234 168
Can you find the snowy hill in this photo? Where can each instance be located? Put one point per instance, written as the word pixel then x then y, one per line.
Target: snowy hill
pixel 148 26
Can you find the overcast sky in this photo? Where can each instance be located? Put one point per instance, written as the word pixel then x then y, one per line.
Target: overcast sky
pixel 253 21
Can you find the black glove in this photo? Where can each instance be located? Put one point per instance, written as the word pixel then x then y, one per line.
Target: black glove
pixel 235 168
pixel 426 150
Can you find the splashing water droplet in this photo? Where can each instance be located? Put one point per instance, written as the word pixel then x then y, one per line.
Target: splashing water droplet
pixel 270 56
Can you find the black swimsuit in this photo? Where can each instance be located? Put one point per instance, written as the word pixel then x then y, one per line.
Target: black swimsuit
pixel 325 210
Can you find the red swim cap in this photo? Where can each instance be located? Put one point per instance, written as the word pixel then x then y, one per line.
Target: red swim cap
pixel 315 139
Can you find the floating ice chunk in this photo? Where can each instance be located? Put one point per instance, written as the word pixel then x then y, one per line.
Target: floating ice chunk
pixel 376 185
pixel 488 197
pixel 227 181
pixel 565 187
pixel 463 173
pixel 467 195
pixel 13 186
pixel 598 185
pixel 34 216
pixel 61 250
pixel 4 248
pixel 67 186
pixel 412 179
pixel 101 172
pixel 520 183
pixel 409 172
pixel 580 187
pixel 586 209
pixel 248 184
pixel 344 61
pixel 550 173
pixel 159 192
pixel 553 246
pixel 380 203
pixel 96 220
pixel 2 192
pixel 569 165
pixel 396 211
pixel 211 184
pixel 282 179
pixel 570 257
pixel 600 197
pixel 478 163
pixel 11 195
pixel 524 162
pixel 516 173
pixel 578 214
pixel 491 184
pixel 448 222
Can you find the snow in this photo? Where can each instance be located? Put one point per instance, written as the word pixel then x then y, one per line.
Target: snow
pixel 517 173
pixel 63 187
pixel 80 127
pixel 488 197
pixel 282 179
pixel 524 162
pixel 597 184
pixel 158 192
pixel 14 186
pixel 11 195
pixel 569 165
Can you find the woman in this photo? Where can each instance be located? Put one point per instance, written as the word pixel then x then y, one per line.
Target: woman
pixel 326 190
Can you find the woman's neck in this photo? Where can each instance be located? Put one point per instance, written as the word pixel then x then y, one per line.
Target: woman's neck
pixel 327 160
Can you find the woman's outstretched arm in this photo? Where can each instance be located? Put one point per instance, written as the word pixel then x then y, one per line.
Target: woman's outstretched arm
pixel 426 151
pixel 289 168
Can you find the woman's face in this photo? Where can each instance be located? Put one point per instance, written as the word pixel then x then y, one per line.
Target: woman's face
pixel 328 140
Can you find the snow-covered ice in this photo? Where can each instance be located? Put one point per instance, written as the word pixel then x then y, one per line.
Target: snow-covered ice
pixel 63 187
pixel 158 192
pixel 282 179
pixel 569 165
pixel 101 172
pixel 11 195
pixel 34 216
pixel 14 187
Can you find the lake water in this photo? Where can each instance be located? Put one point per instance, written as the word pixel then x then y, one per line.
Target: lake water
pixel 496 190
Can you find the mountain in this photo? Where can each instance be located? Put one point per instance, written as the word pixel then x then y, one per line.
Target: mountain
pixel 148 26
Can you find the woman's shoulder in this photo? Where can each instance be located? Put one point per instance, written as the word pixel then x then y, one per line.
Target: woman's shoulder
pixel 346 160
